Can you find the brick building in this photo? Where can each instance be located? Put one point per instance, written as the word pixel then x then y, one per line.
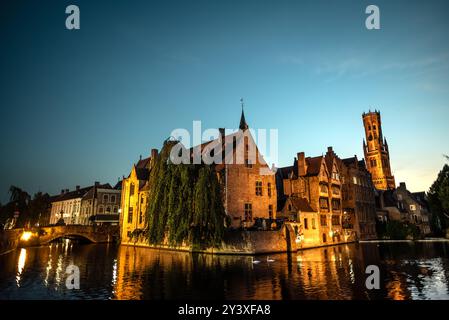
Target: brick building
pixel 377 154
pixel 359 201
pixel 317 180
pixel 248 184
pixel 135 194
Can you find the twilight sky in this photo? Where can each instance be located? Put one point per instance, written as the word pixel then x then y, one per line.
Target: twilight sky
pixel 81 106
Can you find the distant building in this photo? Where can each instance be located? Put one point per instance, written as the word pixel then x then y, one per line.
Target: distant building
pixel 97 204
pixel 377 155
pixel 67 206
pixel 415 208
pixel 402 205
pixel 359 201
pixel 100 205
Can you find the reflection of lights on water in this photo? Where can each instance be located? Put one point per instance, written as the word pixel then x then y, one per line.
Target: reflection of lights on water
pixel 21 265
pixel 58 272
pixel 48 269
pixel 26 236
pixel 65 245
pixel 351 271
pixel 114 275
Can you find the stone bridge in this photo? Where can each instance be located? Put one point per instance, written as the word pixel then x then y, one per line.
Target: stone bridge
pixel 44 235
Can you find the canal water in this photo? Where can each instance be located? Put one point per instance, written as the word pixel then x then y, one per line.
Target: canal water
pixel 407 271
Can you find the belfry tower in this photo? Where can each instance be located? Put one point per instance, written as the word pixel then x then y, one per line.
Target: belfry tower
pixel 377 156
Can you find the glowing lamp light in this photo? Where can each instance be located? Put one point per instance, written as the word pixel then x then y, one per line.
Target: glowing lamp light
pixel 26 236
pixel 331 233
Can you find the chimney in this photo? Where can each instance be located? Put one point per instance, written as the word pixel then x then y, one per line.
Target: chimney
pixel 154 153
pixel 302 167
pixel 66 190
pixel 77 188
pixel 140 157
pixel 223 142
pixel 402 185
pixel 330 150
pixel 62 191
pixel 97 183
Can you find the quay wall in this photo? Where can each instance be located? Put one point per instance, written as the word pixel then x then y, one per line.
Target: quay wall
pixel 241 242
pixel 9 240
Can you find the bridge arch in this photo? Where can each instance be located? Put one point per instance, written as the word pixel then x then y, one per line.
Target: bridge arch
pixel 70 235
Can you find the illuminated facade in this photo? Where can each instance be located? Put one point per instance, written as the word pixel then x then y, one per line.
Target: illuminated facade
pixel 248 184
pixel 318 181
pixel 377 154
pixel 67 206
pixel 135 197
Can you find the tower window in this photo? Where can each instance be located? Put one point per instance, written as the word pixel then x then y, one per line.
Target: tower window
pixel 324 203
pixel 335 220
pixel 258 188
pixel 130 215
pixel 248 211
pixel 323 220
pixel 140 217
pixel 270 211
pixel 269 189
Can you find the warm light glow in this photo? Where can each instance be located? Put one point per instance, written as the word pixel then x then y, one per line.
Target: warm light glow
pixel 331 233
pixel 21 265
pixel 26 236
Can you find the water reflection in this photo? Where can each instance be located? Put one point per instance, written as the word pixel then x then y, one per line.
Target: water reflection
pixel 408 271
pixel 21 265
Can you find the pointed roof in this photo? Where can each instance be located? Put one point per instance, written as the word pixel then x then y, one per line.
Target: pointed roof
pixel 314 165
pixel 243 125
pixel 300 204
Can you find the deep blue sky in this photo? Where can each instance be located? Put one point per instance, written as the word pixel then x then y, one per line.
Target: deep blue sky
pixel 80 106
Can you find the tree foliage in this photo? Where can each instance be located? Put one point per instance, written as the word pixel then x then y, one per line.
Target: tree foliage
pixel 184 203
pixel 438 196
pixel 29 210
pixel 397 230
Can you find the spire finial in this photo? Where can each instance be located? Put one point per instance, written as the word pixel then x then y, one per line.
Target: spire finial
pixel 243 125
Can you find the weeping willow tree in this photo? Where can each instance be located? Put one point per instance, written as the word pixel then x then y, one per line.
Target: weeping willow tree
pixel 184 203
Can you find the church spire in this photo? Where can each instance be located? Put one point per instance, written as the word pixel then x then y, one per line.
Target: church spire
pixel 243 125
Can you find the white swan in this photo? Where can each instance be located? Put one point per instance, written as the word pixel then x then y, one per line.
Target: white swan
pixel 254 261
pixel 269 260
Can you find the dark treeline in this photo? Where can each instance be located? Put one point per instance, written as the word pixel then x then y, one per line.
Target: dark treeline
pixel 438 197
pixel 22 210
